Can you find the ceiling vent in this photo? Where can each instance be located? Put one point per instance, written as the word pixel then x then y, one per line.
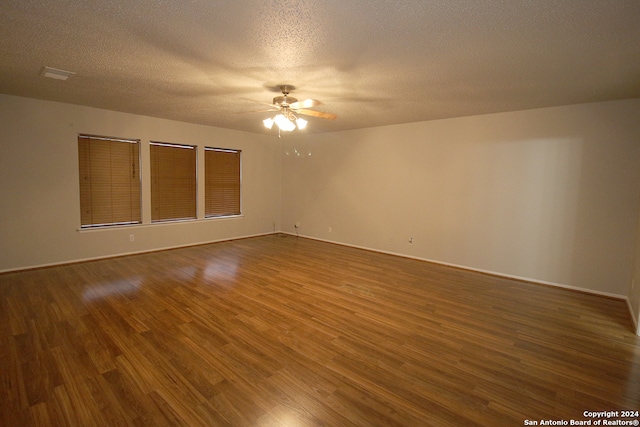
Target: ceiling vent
pixel 54 73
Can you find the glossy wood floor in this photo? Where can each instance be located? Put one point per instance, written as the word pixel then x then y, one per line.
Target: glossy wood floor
pixel 285 331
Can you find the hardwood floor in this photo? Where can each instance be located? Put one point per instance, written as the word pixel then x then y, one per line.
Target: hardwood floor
pixel 286 331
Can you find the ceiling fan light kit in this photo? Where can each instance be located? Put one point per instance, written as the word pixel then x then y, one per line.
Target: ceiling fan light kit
pixel 287 108
pixel 285 123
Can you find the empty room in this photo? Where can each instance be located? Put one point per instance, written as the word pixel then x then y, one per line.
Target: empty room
pixel 299 213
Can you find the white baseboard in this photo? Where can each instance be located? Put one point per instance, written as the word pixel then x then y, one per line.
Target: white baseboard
pixel 493 273
pixel 633 317
pixel 164 248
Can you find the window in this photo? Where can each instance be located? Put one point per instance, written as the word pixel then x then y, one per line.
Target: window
pixel 222 182
pixel 109 171
pixel 173 182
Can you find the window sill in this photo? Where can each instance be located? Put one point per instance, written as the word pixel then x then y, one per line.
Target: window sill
pixel 157 223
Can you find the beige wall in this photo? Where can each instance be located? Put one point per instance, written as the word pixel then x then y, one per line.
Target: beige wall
pixel 634 287
pixel 39 196
pixel 547 194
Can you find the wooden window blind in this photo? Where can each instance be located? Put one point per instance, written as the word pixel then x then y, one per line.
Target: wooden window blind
pixel 109 171
pixel 173 181
pixel 222 182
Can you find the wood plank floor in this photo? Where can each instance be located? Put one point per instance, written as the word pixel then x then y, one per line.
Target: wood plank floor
pixel 286 331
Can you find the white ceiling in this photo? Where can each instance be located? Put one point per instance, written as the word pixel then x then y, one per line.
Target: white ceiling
pixel 371 62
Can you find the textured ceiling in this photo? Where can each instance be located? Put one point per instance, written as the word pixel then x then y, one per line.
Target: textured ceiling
pixel 371 62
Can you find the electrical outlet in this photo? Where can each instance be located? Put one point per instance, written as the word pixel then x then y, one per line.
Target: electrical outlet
pixel 296 225
pixel 132 237
pixel 411 240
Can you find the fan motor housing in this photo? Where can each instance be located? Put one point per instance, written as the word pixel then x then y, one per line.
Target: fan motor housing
pixel 284 100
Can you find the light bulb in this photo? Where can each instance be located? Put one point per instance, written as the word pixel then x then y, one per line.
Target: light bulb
pixel 288 126
pixel 280 120
pixel 268 123
pixel 284 123
pixel 302 123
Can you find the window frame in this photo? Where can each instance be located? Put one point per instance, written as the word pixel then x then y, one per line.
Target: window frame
pixel 156 215
pixel 207 183
pixel 134 210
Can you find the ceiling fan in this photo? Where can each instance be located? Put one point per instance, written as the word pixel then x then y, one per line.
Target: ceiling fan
pixel 288 109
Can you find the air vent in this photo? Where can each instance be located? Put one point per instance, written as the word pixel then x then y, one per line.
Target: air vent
pixel 54 73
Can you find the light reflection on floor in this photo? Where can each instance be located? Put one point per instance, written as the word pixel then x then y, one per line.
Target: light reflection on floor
pixel 218 272
pixel 221 272
pixel 102 290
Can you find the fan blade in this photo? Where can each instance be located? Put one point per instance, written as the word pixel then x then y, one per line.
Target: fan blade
pixel 272 110
pixel 320 114
pixel 307 103
pixel 270 104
